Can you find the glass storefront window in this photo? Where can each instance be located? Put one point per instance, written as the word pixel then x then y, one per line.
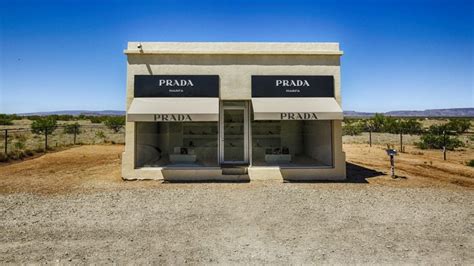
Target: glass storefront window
pixel 176 144
pixel 292 143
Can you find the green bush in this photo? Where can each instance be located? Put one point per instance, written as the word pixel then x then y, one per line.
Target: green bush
pixel 6 120
pixel 72 128
pixel 410 126
pixel 470 163
pixel 96 119
pixel 100 134
pixel 378 122
pixel 438 136
pixel 459 125
pixel 352 128
pixel 3 157
pixel 116 123
pixel 44 125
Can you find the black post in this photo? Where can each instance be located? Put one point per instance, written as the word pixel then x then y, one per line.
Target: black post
pixel 444 145
pixel 370 137
pixel 392 166
pixel 45 140
pixel 6 142
pixel 75 133
pixel 401 141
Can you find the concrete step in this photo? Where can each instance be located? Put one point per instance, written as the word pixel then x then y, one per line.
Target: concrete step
pixel 234 169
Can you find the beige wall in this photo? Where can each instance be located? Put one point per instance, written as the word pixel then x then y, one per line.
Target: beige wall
pixel 234 71
pixel 235 63
pixel 318 141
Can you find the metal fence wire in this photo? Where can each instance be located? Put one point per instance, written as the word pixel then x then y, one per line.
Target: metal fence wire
pixel 20 142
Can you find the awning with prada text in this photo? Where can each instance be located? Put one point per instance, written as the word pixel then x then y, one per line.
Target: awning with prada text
pixel 173 109
pixel 296 108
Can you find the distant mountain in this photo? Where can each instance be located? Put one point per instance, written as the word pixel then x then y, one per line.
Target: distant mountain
pixel 77 112
pixel 452 112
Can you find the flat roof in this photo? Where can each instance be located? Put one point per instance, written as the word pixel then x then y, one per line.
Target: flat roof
pixel 234 48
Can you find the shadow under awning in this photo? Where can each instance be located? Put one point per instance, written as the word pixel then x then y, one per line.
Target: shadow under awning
pixel 173 109
pixel 297 108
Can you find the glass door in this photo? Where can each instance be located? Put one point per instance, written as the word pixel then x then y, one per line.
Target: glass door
pixel 234 134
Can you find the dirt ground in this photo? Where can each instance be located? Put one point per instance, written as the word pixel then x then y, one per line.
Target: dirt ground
pixel 71 206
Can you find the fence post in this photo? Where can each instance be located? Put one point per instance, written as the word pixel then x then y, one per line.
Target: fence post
pixel 370 137
pixel 6 143
pixel 444 145
pixel 45 140
pixel 401 141
pixel 75 133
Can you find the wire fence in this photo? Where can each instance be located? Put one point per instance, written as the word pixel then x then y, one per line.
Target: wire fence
pixel 16 143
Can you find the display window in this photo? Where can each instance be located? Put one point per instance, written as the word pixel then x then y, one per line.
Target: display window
pixel 181 144
pixel 297 143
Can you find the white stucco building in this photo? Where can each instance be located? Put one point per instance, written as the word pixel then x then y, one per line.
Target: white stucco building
pixel 233 111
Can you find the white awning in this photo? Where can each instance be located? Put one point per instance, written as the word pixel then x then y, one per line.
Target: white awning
pixel 296 109
pixel 174 109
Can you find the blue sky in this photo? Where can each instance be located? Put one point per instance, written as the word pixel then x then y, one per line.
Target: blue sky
pixel 68 55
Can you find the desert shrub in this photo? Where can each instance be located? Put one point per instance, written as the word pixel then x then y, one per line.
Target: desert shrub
pixel 352 128
pixel 72 128
pixel 16 155
pixel 116 123
pixel 388 124
pixel 100 134
pixel 3 157
pixel 438 136
pixel 470 163
pixel 19 144
pixel 44 125
pixel 29 152
pixel 410 126
pixel 378 122
pixel 33 117
pixel 6 120
pixel 458 125
pixel 96 119
pixel 431 141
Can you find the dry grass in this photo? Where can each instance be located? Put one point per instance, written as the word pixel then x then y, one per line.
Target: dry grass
pixel 97 167
pixel 90 133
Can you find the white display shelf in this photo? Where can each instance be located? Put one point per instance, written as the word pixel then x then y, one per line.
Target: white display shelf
pixel 182 158
pixel 277 158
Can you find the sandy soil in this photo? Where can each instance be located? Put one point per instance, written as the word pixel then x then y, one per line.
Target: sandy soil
pixel 415 167
pixel 72 207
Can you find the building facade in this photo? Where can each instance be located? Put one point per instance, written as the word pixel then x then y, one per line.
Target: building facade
pixel 233 111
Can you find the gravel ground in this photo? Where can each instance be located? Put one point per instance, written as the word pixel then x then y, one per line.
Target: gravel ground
pixel 259 223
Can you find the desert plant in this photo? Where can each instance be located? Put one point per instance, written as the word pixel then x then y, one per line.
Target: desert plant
pixel 116 123
pixel 378 122
pixel 44 125
pixel 100 134
pixel 6 120
pixel 458 125
pixel 470 163
pixel 72 128
pixel 352 128
pixel 96 119
pixel 410 126
pixel 19 144
pixel 438 136
pixel 3 157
